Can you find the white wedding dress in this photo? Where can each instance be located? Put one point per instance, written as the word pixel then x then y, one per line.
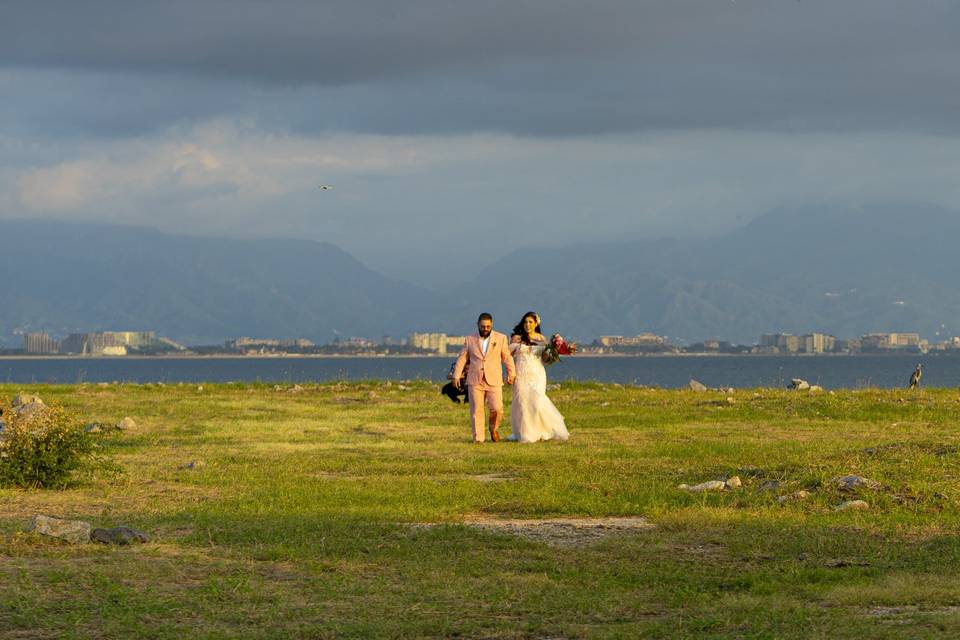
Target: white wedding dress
pixel 533 416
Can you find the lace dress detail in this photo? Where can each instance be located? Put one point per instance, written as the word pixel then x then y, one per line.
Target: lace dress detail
pixel 533 416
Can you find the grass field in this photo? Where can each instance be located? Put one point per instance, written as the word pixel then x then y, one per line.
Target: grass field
pixel 307 518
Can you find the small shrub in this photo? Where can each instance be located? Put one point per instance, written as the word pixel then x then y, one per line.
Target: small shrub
pixel 43 449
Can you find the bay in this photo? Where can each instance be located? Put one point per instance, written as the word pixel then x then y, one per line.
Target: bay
pixel 830 372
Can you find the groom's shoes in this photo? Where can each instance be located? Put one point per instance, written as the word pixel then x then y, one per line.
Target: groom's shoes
pixel 494 434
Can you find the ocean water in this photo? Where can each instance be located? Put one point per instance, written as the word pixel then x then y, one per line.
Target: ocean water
pixel 662 371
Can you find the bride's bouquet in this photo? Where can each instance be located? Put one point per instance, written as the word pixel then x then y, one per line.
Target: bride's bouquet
pixel 557 347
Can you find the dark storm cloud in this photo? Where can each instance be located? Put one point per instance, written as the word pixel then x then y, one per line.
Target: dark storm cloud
pixel 554 67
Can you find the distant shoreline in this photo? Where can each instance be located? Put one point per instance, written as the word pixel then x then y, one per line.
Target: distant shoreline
pixel 326 356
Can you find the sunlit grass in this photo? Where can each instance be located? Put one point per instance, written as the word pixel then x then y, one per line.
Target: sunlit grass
pixel 296 524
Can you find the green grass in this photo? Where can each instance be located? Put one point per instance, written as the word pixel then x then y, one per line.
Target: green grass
pixel 297 525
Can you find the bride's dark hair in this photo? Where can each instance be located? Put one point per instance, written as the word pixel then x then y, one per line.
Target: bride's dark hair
pixel 519 330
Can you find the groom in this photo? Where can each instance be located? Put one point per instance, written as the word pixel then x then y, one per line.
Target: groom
pixel 485 350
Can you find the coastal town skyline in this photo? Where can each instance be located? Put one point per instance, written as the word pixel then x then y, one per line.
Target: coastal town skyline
pixel 122 343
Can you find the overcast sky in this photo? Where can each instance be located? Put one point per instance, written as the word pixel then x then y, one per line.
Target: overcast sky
pixel 454 132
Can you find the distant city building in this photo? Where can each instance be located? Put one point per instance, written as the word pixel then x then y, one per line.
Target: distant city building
pixel 819 343
pixel 298 343
pixel 39 343
pixel 882 341
pixel 641 340
pixel 789 343
pixel 354 341
pixel 266 344
pixel 240 344
pixel 108 342
pixel 438 342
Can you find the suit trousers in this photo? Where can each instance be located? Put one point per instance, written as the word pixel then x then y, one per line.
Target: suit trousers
pixel 480 395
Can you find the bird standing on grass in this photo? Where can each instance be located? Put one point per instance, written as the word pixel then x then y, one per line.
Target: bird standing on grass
pixel 915 377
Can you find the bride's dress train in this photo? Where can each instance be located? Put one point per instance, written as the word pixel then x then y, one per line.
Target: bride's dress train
pixel 533 417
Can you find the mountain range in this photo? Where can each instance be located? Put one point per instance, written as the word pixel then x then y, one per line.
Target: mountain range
pixel 882 268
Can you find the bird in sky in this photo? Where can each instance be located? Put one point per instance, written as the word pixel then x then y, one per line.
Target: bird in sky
pixel 324 187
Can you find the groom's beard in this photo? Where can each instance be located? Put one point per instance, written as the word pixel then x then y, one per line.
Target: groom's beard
pixel 484 334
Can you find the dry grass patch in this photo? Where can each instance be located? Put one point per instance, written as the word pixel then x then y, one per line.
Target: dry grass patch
pixel 562 532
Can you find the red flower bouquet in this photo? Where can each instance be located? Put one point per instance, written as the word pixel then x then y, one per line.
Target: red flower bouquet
pixel 557 347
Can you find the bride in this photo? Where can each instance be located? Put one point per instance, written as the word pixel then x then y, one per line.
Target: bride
pixel 533 416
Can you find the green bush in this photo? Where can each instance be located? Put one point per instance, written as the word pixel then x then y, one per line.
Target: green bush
pixel 42 449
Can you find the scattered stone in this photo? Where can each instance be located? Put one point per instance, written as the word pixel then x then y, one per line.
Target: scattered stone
pixel 769 485
pixel 92 427
pixel 24 398
pixel 199 388
pixel 29 409
pixel 73 531
pixel 798 384
pixel 118 535
pixel 797 495
pixel 733 483
pixel 816 387
pixel 126 424
pixel 731 401
pixel 295 389
pixel 372 395
pixel 853 483
pixel 712 485
pixel 193 464
pixel 853 505
pixel 402 387
pixel 696 385
pixel 553 387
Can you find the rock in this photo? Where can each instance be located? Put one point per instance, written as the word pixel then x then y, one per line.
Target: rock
pixel 118 535
pixel 193 464
pixel 30 408
pixel 797 495
pixel 731 401
pixel 769 485
pixel 696 385
pixel 402 387
pixel 126 424
pixel 816 387
pixel 553 387
pixel 295 389
pixel 733 483
pixel 24 398
pixel 798 384
pixel 853 483
pixel 73 531
pixel 200 388
pixel 92 427
pixel 372 395
pixel 712 485
pixel 853 505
